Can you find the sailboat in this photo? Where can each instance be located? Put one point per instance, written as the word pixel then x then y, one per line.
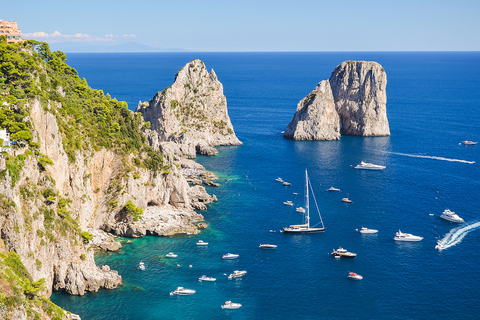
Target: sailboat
pixel 305 228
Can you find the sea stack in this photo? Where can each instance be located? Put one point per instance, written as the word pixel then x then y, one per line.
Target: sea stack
pixel 359 97
pixel 191 116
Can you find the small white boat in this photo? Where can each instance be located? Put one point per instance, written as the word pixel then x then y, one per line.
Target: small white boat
pixel 400 236
pixel 451 216
pixel 231 305
pixel 340 252
pixel 237 274
pixel 347 200
pixel 279 179
pixel 300 209
pixel 205 278
pixel 354 276
pixel 285 183
pixel 267 246
pixel 366 230
pixel 439 247
pixel 369 166
pixel 469 143
pixel 141 266
pixel 288 203
pixel 201 243
pixel 171 255
pixel 333 189
pixel 181 291
pixel 230 256
pixel 272 231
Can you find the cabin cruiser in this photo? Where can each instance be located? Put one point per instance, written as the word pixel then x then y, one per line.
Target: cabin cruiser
pixel 181 291
pixel 205 278
pixel 333 189
pixel 400 236
pixel 347 200
pixel 231 305
pixel 469 143
pixel 366 230
pixel 285 183
pixel 230 256
pixel 300 209
pixel 201 243
pixel 141 266
pixel 279 179
pixel 171 255
pixel 268 246
pixel 369 166
pixel 288 203
pixel 340 252
pixel 237 274
pixel 451 216
pixel 353 275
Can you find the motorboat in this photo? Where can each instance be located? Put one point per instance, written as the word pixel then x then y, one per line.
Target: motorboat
pixel 333 189
pixel 340 252
pixel 268 246
pixel 181 291
pixel 237 274
pixel 230 256
pixel 300 209
pixel 366 230
pixel 354 276
pixel 205 278
pixel 369 166
pixel 171 255
pixel 279 179
pixel 469 143
pixel 288 203
pixel 439 247
pixel 400 236
pixel 285 183
pixel 202 243
pixel 305 227
pixel 347 200
pixel 451 216
pixel 141 266
pixel 231 305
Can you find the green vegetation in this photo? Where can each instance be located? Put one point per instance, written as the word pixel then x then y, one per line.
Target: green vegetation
pixel 132 210
pixel 86 236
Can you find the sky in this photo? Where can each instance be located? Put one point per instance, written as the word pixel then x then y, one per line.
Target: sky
pixel 249 25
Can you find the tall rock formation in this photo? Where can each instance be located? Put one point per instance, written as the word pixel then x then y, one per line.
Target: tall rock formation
pixel 191 116
pixel 352 102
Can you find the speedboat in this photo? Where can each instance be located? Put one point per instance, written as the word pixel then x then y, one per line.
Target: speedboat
pixel 268 246
pixel 171 255
pixel 366 230
pixel 469 143
pixel 285 183
pixel 230 256
pixel 288 203
pixel 300 209
pixel 400 236
pixel 347 200
pixel 205 278
pixel 231 305
pixel 340 252
pixel 201 243
pixel 333 189
pixel 439 247
pixel 237 274
pixel 181 291
pixel 369 166
pixel 353 275
pixel 279 179
pixel 141 266
pixel 451 216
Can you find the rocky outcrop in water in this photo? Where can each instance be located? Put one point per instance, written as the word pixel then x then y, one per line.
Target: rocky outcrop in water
pixel 191 116
pixel 352 102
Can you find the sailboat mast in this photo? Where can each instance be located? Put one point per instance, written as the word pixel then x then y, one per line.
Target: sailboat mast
pixel 307 206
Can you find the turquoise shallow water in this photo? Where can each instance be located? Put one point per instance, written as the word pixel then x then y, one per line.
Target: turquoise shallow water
pixel 433 104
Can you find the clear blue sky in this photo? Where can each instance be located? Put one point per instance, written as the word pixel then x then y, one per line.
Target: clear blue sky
pixel 253 25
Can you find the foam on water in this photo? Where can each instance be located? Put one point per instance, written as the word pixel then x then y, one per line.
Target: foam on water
pixel 431 157
pixel 455 236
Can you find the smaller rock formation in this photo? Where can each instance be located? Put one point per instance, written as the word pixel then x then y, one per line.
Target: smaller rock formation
pixel 352 102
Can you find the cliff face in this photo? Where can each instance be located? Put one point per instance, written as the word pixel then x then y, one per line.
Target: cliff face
pixel 351 102
pixel 191 117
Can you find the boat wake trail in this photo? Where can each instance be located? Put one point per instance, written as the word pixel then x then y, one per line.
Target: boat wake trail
pixel 456 236
pixel 431 157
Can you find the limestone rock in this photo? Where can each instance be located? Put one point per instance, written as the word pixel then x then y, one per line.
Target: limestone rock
pixel 191 116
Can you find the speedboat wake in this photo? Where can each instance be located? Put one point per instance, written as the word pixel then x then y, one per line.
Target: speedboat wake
pixel 431 157
pixel 456 236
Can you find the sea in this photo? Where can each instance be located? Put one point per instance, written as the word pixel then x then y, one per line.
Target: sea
pixel 433 104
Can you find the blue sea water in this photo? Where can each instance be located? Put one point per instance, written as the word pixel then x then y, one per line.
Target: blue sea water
pixel 433 104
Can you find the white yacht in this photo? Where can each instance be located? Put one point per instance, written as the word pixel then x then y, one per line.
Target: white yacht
pixel 288 203
pixel 300 209
pixel 231 305
pixel 237 274
pixel 340 252
pixel 205 278
pixel 347 200
pixel 202 243
pixel 333 189
pixel 400 236
pixel 366 230
pixel 141 266
pixel 268 246
pixel 230 256
pixel 451 216
pixel 354 276
pixel 181 291
pixel 279 179
pixel 469 143
pixel 369 166
pixel 171 255
pixel 285 183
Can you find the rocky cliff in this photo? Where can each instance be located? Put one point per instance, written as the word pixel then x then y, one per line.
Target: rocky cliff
pixel 352 102
pixel 191 117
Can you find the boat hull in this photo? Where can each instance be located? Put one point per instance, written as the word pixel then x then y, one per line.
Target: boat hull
pixel 303 231
pixel 452 219
pixel 416 239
